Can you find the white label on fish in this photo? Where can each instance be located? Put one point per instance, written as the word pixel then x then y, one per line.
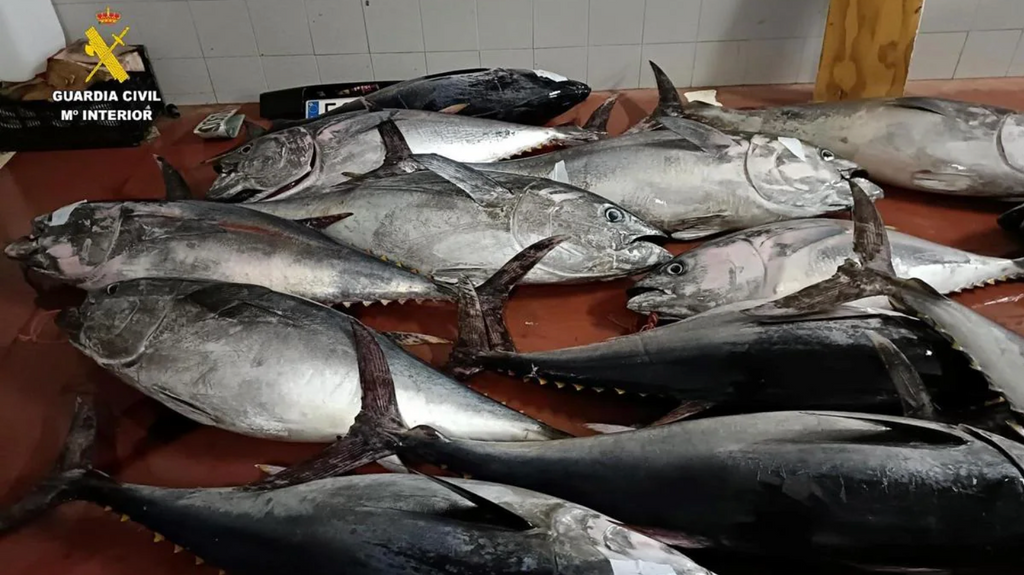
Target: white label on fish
pixel 60 217
pixel 795 146
pixel 559 173
pixel 550 75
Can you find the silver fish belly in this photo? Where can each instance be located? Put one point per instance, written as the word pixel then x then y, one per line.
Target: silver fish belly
pixel 423 222
pixel 93 245
pixel 311 158
pixel 691 192
pixel 265 364
pixel 927 144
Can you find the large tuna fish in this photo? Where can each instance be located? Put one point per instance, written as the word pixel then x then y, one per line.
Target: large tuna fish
pixel 694 181
pixel 363 525
pixel 316 156
pixel 849 487
pixel 452 221
pixel 778 259
pixel 95 244
pixel 927 144
pixel 266 364
pixel 510 95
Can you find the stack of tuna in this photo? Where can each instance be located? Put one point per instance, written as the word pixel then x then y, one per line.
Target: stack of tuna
pixel 828 403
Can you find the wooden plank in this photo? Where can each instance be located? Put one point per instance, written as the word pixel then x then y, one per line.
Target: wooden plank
pixel 867 47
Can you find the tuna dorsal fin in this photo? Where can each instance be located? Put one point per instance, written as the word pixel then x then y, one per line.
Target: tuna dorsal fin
pixel 498 515
pixel 482 189
pixel 396 148
pixel 598 121
pixel 669 102
pixel 934 105
pixel 703 136
pixel 175 186
pixel 914 396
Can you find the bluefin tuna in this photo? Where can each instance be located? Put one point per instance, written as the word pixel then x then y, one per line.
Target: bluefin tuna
pixel 452 221
pixel 926 144
pixel 95 244
pixel 846 487
pixel 265 364
pixel 507 94
pixel 774 260
pixel 361 525
pixel 694 181
pixel 314 157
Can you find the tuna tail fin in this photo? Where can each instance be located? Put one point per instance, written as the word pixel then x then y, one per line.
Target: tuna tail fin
pixel 872 275
pixel 62 485
pixel 598 121
pixel 482 326
pixel 375 433
pixel 175 186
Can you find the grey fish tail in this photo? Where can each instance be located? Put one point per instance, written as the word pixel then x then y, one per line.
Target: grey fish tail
pixel 376 433
pixel 71 472
pixel 482 326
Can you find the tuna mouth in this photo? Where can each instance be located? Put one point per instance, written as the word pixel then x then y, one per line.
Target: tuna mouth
pixel 70 321
pixel 21 249
pixel 647 299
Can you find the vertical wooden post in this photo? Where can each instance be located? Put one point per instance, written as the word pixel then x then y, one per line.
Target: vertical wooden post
pixel 867 47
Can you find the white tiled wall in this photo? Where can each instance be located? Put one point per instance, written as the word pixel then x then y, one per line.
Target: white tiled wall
pixel 969 39
pixel 231 50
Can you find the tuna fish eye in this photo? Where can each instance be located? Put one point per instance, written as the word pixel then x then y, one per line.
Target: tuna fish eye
pixel 112 289
pixel 245 149
pixel 675 268
pixel 614 215
pixel 827 155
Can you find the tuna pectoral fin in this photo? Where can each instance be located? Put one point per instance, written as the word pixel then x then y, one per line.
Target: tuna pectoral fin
pixel 685 410
pixel 175 186
pixel 705 137
pixel 72 466
pixel 698 227
pixel 475 184
pixel 914 396
pixel 871 276
pixel 495 514
pixel 374 435
pixel 943 181
pixel 482 309
pixel 323 222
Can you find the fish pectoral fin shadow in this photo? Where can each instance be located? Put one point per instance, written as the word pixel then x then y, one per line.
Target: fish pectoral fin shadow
pixel 915 397
pixel 375 433
pixel 496 514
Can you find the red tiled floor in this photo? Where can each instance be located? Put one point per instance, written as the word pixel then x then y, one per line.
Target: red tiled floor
pixel 39 370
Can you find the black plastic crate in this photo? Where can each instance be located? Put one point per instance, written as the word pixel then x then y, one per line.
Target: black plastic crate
pixel 38 125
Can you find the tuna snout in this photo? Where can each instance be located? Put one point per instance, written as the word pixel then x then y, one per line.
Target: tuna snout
pixel 21 249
